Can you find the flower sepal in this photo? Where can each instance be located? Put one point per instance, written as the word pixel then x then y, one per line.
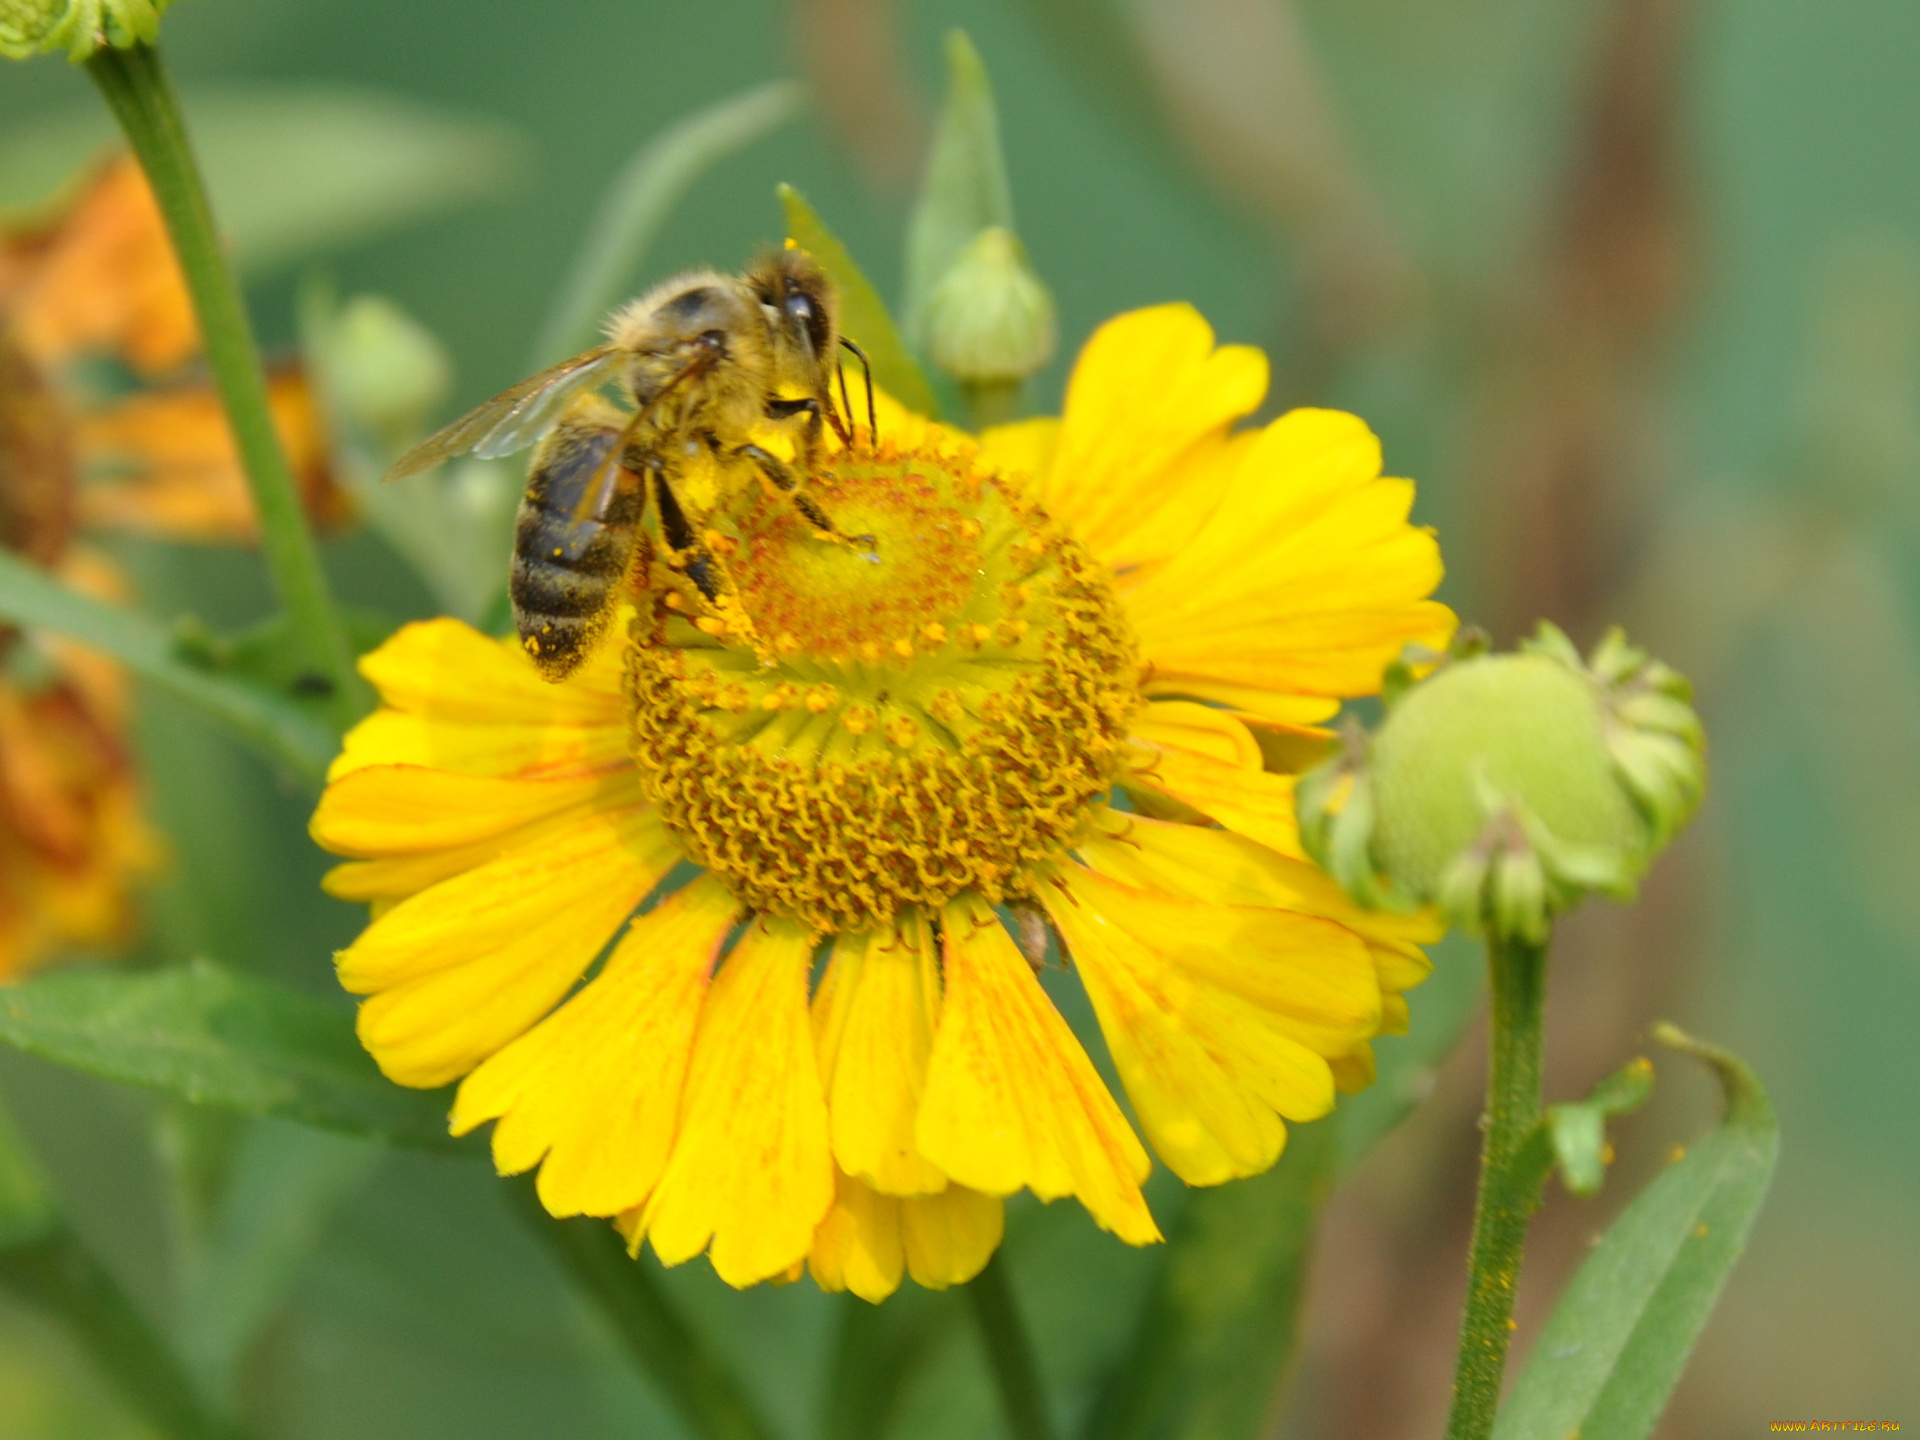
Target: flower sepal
pixel 80 27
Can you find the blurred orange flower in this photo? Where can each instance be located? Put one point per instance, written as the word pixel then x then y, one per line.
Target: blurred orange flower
pixel 71 836
pixel 95 280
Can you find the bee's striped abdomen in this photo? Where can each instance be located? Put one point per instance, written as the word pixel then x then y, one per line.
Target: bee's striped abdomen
pixel 569 552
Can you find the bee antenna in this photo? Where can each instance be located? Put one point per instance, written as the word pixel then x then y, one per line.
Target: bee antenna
pixel 866 365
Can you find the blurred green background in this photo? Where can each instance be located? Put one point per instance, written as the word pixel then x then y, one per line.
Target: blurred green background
pixel 1632 287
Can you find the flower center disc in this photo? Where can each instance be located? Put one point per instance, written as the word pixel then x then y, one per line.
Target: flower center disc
pixel 906 722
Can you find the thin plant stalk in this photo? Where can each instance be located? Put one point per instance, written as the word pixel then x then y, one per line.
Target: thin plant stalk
pixel 691 1378
pixel 1510 1176
pixel 1010 1357
pixel 137 90
pixel 61 1276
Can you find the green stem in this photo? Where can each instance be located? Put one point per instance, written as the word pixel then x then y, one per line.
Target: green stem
pixel 137 90
pixel 991 403
pixel 1510 1178
pixel 61 1276
pixel 690 1376
pixel 1009 1353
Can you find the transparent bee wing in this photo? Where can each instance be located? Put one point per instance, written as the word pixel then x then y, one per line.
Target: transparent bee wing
pixel 515 418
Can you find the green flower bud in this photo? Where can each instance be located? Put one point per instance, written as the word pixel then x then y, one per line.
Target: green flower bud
pixel 80 27
pixel 1503 788
pixel 382 369
pixel 990 319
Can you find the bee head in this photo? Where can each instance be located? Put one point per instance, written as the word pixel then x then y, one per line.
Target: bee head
pixel 800 303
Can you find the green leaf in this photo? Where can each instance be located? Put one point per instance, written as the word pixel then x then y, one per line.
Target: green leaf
pixel 293 170
pixel 965 187
pixel 863 314
pixel 1218 1330
pixel 1577 1132
pixel 641 197
pixel 212 1037
pixel 1621 1334
pixel 277 725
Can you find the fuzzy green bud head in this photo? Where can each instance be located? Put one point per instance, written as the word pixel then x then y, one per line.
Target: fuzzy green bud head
pixel 1503 788
pixel 383 370
pixel 990 319
pixel 80 27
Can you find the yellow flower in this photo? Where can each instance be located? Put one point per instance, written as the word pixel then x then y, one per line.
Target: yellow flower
pixel 1046 690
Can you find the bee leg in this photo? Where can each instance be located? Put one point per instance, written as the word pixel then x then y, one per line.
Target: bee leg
pixel 687 554
pixel 817 416
pixel 780 475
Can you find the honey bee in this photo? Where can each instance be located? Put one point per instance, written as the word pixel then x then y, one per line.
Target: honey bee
pixel 704 358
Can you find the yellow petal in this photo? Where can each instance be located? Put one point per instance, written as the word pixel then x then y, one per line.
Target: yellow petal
pixel 1206 759
pixel 1011 1098
pixel 594 1089
pixel 1220 867
pixel 1296 713
pixel 396 877
pixel 1354 1072
pixel 752 1170
pixel 857 1246
pixel 1148 391
pixel 409 810
pixel 874 1016
pixel 1023 451
pixel 1209 1071
pixel 459 969
pixel 951 1236
pixel 1313 974
pixel 1307 578
pixel 398 737
pixel 448 670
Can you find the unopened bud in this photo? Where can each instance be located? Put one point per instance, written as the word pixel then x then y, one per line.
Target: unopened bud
pixel 382 369
pixel 990 319
pixel 1503 788
pixel 79 27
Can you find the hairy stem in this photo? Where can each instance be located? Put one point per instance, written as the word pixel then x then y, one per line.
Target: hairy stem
pixel 1510 1178
pixel 137 91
